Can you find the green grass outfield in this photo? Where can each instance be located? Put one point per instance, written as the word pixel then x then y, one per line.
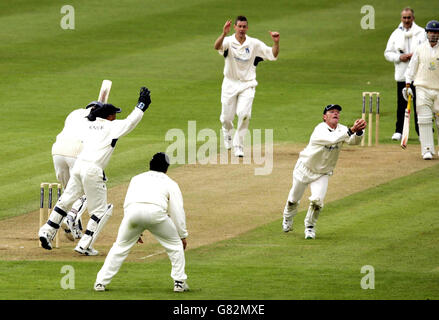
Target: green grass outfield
pixel 46 72
pixel 325 57
pixel 375 227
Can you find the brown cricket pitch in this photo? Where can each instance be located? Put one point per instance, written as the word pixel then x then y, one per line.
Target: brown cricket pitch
pixel 222 200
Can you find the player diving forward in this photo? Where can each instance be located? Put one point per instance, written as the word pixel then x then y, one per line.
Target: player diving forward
pixel 101 132
pixel 316 163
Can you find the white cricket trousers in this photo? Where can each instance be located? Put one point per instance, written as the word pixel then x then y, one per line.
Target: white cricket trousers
pixel 63 165
pixel 85 178
pixel 237 98
pixel 137 218
pixel 427 105
pixel 302 178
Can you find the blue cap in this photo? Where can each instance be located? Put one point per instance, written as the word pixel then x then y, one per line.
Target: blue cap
pixel 330 107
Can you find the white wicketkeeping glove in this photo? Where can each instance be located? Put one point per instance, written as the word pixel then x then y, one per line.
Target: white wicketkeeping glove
pixel 406 92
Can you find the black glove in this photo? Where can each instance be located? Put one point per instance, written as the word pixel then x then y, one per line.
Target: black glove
pixel 144 99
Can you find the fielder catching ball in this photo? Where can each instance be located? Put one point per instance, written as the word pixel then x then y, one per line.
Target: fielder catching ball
pixel 316 163
pixel 241 56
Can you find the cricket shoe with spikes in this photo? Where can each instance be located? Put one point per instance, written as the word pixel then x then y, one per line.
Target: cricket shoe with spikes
pixel 45 239
pixel 287 225
pixel 310 233
pixel 180 286
pixel 86 252
pixel 427 156
pixel 239 152
pixel 99 287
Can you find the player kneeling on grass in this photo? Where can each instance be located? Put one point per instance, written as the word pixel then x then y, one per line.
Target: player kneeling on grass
pixel 153 202
pixel 316 163
pixel 101 133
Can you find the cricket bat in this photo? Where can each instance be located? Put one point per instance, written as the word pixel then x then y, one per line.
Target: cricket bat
pixel 406 128
pixel 105 91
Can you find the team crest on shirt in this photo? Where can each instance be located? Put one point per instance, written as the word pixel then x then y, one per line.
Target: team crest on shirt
pixel 247 50
pixel 432 66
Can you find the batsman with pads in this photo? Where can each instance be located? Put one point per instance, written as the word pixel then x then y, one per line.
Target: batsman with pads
pixel 65 150
pixel 316 164
pixel 101 132
pixel 423 71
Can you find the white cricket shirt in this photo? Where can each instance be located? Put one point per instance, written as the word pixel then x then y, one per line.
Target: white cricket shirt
pixel 321 154
pixel 158 188
pixel 403 41
pixel 100 137
pixel 240 59
pixel 69 140
pixel 424 67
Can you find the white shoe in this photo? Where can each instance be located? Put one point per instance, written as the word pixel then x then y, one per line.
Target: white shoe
pixel 180 286
pixel 310 233
pixel 287 225
pixel 427 156
pixel 396 136
pixel 99 287
pixel 86 252
pixel 239 152
pixel 45 240
pixel 228 142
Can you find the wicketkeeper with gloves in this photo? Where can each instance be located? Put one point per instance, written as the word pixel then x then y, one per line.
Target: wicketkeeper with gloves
pixel 101 131
pixel 423 70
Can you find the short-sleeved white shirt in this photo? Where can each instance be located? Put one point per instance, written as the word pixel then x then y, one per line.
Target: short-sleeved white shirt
pixel 240 59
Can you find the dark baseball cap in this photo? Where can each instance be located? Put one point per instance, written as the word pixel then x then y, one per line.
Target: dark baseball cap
pixel 330 107
pixel 96 104
pixel 103 111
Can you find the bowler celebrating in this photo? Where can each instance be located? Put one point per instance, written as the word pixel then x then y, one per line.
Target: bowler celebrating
pixel 316 163
pixel 241 55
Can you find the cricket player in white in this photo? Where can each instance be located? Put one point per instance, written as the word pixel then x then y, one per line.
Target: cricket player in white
pixel 65 150
pixel 399 50
pixel 423 69
pixel 153 202
pixel 241 56
pixel 316 163
pixel 100 134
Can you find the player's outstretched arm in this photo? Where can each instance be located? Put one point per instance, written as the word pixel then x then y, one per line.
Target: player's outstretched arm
pixel 226 30
pixel 275 36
